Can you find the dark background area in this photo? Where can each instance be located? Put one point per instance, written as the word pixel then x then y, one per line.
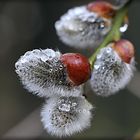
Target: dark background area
pixel 26 25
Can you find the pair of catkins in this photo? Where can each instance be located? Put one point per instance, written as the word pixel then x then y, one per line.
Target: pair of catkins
pixel 60 78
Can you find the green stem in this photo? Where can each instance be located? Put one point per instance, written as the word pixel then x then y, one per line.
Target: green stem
pixel 114 33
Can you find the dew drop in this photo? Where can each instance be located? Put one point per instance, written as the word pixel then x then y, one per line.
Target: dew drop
pixel 124 28
pixel 112 60
pixel 50 53
pixel 61 101
pixel 102 25
pixel 69 102
pixel 64 107
pixel 44 58
pixel 60 119
pixel 55 60
pixel 74 104
pixel 50 57
pixel 99 56
pixel 20 70
pixel 27 53
pixel 50 70
pixel 35 51
pixel 96 66
pixel 80 29
pixel 60 67
pixel 83 33
pixel 16 66
pixel 108 50
pixel 91 19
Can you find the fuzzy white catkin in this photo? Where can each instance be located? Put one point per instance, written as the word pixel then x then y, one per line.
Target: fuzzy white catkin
pixel 64 116
pixel 42 73
pixel 110 73
pixel 81 28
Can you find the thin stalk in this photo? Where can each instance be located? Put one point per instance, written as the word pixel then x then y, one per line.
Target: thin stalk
pixel 114 33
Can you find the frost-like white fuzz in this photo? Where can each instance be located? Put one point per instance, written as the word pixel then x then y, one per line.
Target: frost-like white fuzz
pixel 110 73
pixel 64 116
pixel 81 28
pixel 42 73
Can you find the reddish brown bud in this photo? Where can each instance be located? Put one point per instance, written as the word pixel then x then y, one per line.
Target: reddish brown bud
pixel 103 8
pixel 125 49
pixel 78 67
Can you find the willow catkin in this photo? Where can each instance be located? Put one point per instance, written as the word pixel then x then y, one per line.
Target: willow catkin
pixel 64 116
pixel 42 73
pixel 110 73
pixel 81 28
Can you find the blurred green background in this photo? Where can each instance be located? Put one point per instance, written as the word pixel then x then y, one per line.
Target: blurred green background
pixel 26 25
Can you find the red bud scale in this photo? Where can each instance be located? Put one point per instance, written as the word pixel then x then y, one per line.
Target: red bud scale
pixel 78 67
pixel 125 50
pixel 103 8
